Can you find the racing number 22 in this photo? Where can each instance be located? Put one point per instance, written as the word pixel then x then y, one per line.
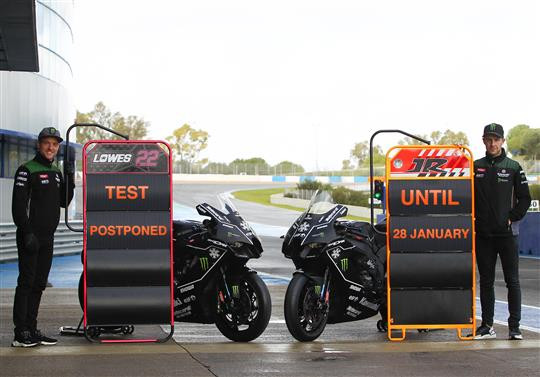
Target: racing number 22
pixel 147 158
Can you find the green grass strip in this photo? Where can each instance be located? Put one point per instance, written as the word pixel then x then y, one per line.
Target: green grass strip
pixel 262 196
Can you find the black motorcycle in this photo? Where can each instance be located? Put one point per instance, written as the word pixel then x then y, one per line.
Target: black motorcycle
pixel 340 272
pixel 211 281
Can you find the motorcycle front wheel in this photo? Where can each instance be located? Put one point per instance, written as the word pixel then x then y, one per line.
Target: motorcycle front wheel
pixel 248 315
pixel 304 313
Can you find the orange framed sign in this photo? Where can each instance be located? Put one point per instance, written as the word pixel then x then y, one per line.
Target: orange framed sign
pixel 430 239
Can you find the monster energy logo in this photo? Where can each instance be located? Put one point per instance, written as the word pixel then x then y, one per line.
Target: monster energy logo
pixel 492 126
pixel 204 263
pixel 345 264
pixel 317 289
pixel 236 291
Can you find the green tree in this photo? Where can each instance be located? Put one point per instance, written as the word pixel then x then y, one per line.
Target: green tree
pixel 379 158
pixel 360 152
pixel 532 144
pixel 347 165
pixel 410 141
pixel 187 143
pixel 449 137
pixel 250 166
pixel 287 167
pixel 136 128
pixel 524 141
pixel 217 168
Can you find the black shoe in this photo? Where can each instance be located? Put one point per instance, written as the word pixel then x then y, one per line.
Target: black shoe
pixel 485 332
pixel 515 334
pixel 24 339
pixel 42 339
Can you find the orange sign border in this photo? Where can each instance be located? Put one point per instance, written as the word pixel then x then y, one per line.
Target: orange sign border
pixel 459 327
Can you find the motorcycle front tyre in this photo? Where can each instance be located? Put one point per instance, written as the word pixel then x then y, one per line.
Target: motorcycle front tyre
pixel 295 309
pixel 250 284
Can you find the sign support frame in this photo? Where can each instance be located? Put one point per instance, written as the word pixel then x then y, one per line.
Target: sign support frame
pixel 459 327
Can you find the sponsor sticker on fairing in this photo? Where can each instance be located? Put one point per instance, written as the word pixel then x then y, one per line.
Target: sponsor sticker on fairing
pixel 352 312
pixel 187 288
pixel 336 243
pixel 367 304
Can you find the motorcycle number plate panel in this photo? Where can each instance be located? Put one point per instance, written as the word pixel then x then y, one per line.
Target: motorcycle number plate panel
pixel 127 233
pixel 430 237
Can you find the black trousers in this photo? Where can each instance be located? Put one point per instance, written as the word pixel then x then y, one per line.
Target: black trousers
pixel 487 250
pixel 34 270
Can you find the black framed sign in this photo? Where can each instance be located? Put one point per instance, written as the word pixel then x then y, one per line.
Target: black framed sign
pixel 127 189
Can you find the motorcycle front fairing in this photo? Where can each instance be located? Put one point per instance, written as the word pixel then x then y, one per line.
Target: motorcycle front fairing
pixel 202 250
pixel 314 228
pixel 358 276
pixel 229 227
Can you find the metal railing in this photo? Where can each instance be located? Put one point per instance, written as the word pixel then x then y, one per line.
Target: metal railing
pixel 65 241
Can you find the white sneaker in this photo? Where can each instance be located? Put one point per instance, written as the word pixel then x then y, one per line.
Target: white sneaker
pixel 485 332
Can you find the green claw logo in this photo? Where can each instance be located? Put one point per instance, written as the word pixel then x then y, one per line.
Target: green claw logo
pixel 204 263
pixel 345 264
pixel 317 289
pixel 492 126
pixel 236 291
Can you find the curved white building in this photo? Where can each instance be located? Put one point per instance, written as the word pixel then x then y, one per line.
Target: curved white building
pixel 36 75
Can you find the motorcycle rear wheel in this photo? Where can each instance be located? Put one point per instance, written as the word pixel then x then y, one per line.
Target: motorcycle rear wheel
pixel 251 313
pixel 304 316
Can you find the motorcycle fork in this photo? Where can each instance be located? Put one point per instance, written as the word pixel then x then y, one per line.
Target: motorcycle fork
pixel 325 289
pixel 225 297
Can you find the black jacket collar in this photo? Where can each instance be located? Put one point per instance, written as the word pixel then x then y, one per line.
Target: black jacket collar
pixel 497 159
pixel 42 160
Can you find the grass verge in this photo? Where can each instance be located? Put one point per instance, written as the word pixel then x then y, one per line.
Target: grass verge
pixel 263 197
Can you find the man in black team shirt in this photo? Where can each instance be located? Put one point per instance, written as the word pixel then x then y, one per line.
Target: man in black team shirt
pixel 501 198
pixel 38 193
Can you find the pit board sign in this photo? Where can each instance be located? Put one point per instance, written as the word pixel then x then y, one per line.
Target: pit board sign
pixel 430 238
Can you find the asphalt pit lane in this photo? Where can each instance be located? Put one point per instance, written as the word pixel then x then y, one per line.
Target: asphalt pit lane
pixel 326 358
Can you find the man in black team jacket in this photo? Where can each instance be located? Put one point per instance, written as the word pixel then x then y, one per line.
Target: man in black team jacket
pixel 38 193
pixel 501 198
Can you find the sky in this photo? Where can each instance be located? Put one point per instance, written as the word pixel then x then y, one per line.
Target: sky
pixel 305 80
